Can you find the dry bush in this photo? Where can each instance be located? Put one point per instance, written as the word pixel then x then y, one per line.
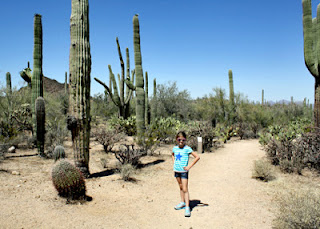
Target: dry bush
pixel 108 138
pixel 263 170
pixel 126 171
pixel 299 209
pixel 128 154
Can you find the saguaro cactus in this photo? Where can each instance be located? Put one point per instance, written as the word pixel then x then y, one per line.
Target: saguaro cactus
pixel 154 101
pixel 40 121
pixel 140 94
pixel 79 84
pixel 66 83
pixel 311 35
pixel 231 97
pixel 122 100
pixel 262 98
pixel 36 78
pixel 146 100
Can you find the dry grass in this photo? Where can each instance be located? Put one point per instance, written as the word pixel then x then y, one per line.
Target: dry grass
pixel 298 201
pixel 263 170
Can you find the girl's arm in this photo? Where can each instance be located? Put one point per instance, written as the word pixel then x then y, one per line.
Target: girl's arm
pixel 196 159
pixel 172 157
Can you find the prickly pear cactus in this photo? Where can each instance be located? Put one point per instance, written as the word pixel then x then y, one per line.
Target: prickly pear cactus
pixel 68 180
pixel 59 153
pixel 40 124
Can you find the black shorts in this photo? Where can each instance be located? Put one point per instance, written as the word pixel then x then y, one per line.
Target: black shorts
pixel 183 175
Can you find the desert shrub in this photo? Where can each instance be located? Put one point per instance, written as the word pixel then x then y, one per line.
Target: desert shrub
pixel 68 180
pixel 299 209
pixel 108 137
pixel 128 126
pixel 263 170
pixel 165 129
pixel 172 102
pixel 129 154
pixel 102 106
pixel 200 129
pixel 307 149
pixel 126 171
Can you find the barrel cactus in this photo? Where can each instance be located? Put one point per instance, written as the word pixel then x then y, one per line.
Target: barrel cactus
pixel 59 153
pixel 68 180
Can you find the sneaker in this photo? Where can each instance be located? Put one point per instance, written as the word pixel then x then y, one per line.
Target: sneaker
pixel 187 212
pixel 180 206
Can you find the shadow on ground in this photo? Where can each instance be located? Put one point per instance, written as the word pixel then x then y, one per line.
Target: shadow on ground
pixel 197 203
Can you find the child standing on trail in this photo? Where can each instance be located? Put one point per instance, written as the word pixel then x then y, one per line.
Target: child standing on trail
pixel 180 157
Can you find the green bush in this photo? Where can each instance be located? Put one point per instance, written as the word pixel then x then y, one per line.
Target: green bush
pixel 127 126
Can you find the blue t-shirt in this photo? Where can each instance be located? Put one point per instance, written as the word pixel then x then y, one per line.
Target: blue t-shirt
pixel 181 158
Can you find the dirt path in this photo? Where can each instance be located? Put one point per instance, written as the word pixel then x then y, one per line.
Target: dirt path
pixel 222 191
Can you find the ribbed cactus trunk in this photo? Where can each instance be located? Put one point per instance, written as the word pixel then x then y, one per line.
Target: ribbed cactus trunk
pixel 40 123
pixel 231 98
pixel 37 75
pixel 66 83
pixel 262 97
pixel 146 100
pixel 311 35
pixel 79 83
pixel 140 94
pixel 9 96
pixel 154 101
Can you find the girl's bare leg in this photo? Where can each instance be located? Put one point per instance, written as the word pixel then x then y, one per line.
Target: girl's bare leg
pixel 185 191
pixel 179 180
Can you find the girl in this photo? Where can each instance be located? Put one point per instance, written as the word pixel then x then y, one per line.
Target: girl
pixel 180 157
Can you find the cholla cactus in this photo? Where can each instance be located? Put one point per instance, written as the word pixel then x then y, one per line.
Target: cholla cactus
pixel 68 180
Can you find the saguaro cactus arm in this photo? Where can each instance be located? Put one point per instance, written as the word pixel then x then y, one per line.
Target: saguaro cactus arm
pixel 311 34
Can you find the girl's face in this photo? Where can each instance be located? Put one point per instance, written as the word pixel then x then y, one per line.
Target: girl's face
pixel 181 142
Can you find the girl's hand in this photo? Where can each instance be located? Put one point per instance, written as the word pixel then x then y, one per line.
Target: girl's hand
pixel 187 168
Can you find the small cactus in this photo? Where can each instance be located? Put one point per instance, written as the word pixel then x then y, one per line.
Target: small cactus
pixel 59 153
pixel 68 180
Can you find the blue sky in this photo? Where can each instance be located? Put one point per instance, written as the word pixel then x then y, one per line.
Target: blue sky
pixel 194 43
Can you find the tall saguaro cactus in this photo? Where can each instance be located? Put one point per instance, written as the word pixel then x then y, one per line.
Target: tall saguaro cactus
pixel 79 83
pixel 146 100
pixel 40 122
pixel 154 101
pixel 231 97
pixel 9 96
pixel 36 78
pixel 311 35
pixel 122 98
pixel 262 97
pixel 140 94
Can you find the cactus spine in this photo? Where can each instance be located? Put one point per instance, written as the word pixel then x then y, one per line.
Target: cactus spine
pixel 140 94
pixel 154 101
pixel 311 35
pixel 146 100
pixel 79 86
pixel 120 100
pixel 40 124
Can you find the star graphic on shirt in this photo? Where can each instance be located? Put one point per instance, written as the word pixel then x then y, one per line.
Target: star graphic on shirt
pixel 178 157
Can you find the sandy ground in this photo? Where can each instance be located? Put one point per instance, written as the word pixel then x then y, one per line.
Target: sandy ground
pixel 222 192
